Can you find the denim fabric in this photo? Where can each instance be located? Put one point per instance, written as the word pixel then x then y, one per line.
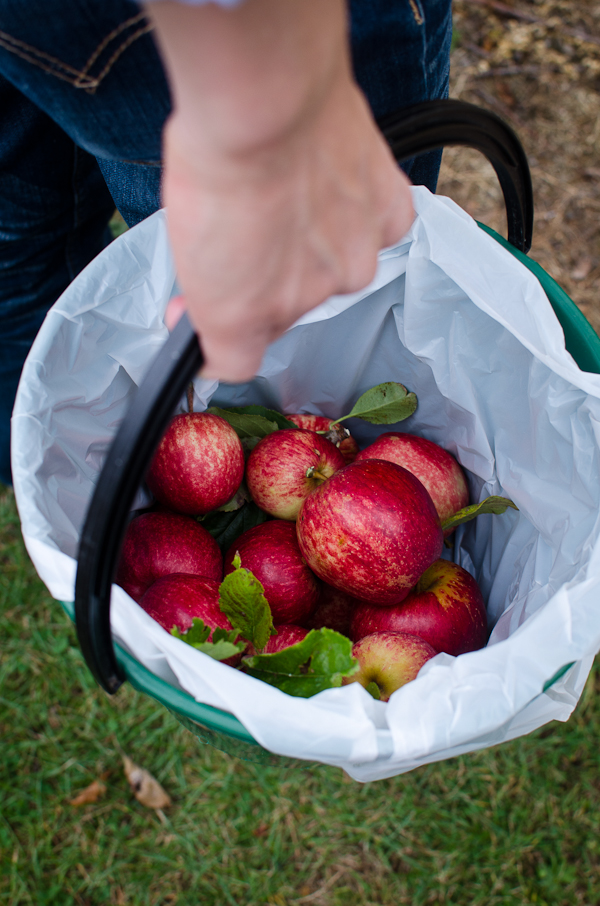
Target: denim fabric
pixel 83 96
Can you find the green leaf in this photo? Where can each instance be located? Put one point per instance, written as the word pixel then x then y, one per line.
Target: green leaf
pixel 494 505
pixel 320 661
pixel 223 645
pixel 242 599
pixel 384 404
pixel 225 527
pixel 246 424
pixel 241 496
pixel 270 414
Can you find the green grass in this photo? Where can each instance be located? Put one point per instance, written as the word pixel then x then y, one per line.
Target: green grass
pixel 516 824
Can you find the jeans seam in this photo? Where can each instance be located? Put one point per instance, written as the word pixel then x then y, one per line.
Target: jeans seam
pixel 78 78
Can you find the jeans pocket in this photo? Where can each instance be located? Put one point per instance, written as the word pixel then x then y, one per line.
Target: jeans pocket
pixel 99 63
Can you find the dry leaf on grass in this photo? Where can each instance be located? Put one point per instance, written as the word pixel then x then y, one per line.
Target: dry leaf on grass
pixel 145 788
pixel 90 794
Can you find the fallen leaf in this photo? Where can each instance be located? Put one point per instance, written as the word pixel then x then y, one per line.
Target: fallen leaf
pixel 90 794
pixel 144 786
pixel 261 830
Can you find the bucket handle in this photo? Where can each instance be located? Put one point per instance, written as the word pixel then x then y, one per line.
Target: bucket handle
pixel 410 131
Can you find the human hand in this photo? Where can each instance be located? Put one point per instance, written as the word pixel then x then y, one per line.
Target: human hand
pixel 269 218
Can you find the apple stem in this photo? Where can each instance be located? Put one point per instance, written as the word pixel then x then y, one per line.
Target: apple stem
pixel 190 397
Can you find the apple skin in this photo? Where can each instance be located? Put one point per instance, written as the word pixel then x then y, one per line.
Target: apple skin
pixel 347 446
pixel 176 599
pixel 371 530
pixel 271 552
pixel 158 544
pixel 276 472
pixel 198 465
pixel 287 634
pixel 389 659
pixel 445 608
pixel 437 469
pixel 334 610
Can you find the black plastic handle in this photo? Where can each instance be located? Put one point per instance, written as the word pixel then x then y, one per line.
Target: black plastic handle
pixel 435 124
pixel 410 132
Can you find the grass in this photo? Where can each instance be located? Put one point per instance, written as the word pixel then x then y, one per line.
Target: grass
pixel 516 824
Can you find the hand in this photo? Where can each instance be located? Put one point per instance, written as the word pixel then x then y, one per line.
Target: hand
pixel 268 220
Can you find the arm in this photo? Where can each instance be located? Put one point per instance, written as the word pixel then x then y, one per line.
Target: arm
pixel 279 188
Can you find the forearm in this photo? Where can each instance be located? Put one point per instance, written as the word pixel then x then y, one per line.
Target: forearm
pixel 243 79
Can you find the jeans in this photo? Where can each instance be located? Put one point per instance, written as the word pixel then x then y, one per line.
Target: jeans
pixel 83 99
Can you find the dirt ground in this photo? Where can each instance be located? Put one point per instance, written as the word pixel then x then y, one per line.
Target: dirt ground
pixel 537 65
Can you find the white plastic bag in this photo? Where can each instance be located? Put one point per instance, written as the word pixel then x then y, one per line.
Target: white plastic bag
pixel 456 318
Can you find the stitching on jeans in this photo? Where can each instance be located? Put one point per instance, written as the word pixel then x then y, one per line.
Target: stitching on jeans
pixel 416 12
pixel 28 52
pixel 76 77
pixel 120 50
pixel 108 39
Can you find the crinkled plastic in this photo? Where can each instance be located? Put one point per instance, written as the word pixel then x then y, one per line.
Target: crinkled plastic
pixel 460 321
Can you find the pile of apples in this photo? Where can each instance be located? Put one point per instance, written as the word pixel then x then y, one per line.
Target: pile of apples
pixel 344 539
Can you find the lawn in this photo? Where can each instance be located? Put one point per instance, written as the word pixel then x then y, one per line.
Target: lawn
pixel 512 825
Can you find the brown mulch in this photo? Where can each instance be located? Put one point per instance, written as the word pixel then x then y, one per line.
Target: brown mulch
pixel 537 65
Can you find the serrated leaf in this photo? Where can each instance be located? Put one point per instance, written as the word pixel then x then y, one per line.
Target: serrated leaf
pixel 226 527
pixel 320 661
pixel 242 600
pixel 493 505
pixel 246 424
pixel 282 421
pixel 385 404
pixel 222 646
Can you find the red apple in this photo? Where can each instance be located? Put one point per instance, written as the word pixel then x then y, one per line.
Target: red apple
pixel 287 634
pixel 286 466
pixel 158 544
pixel 445 609
pixel 344 442
pixel 199 464
pixel 176 599
pixel 271 552
pixel 433 466
pixel 389 660
pixel 370 530
pixel 334 610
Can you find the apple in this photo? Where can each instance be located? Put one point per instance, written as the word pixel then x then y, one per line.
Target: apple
pixel 176 599
pixel 334 610
pixel 287 634
pixel 271 552
pixel 371 530
pixel 343 439
pixel 158 544
pixel 286 466
pixel 445 609
pixel 388 660
pixel 199 464
pixel 437 469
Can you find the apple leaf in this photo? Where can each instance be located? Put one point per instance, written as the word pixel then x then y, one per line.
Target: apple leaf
pixel 247 424
pixel 223 645
pixel 384 404
pixel 225 527
pixel 493 505
pixel 320 661
pixel 242 599
pixel 241 496
pixel 282 421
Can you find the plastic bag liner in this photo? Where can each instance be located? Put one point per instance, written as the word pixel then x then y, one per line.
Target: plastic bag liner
pixel 460 321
